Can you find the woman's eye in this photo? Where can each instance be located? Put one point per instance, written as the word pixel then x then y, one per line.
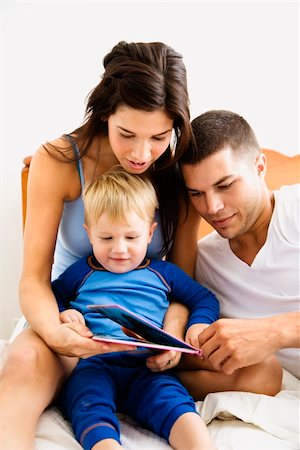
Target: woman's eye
pixel 195 194
pixel 126 136
pixel 158 139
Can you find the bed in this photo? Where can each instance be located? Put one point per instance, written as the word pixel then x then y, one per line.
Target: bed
pixel 236 420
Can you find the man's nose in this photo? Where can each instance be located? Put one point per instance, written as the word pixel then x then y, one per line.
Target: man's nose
pixel 214 203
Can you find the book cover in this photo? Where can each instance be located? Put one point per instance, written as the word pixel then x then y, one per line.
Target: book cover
pixel 152 336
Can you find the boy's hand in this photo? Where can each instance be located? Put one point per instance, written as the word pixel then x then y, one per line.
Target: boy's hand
pixel 163 361
pixel 193 333
pixel 71 315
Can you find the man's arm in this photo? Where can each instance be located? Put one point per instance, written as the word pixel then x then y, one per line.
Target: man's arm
pixel 229 344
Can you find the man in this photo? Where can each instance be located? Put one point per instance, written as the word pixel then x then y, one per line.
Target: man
pixel 251 260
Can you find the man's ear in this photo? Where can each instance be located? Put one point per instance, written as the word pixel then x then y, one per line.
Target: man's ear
pixel 152 229
pixel 261 164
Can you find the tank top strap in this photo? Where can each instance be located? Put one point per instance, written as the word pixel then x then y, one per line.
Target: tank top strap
pixel 77 156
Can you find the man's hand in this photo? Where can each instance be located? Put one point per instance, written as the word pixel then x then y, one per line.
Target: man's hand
pixel 229 344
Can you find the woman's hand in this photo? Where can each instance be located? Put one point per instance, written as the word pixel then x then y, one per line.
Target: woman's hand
pixel 75 339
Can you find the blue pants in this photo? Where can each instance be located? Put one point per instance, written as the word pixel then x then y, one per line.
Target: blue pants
pixel 103 384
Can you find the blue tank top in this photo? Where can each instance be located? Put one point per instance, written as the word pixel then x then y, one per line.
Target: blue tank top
pixel 72 240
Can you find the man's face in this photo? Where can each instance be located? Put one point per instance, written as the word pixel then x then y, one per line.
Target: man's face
pixel 228 191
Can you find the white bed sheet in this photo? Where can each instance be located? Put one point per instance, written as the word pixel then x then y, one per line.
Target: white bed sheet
pixel 236 420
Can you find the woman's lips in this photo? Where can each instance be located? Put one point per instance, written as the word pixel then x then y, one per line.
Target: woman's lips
pixel 137 165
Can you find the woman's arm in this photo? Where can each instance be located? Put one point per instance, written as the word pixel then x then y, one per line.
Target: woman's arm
pixel 184 249
pixel 50 183
pixel 183 254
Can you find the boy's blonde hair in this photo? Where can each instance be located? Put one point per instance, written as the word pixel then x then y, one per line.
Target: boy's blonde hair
pixel 118 193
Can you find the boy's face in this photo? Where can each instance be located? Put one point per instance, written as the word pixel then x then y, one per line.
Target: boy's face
pixel 120 247
pixel 229 192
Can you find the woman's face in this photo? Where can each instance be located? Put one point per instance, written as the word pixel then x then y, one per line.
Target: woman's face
pixel 138 138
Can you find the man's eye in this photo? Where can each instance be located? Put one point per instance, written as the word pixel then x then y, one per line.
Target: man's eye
pixel 223 187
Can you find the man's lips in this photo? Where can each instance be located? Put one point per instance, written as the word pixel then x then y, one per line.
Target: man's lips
pixel 222 222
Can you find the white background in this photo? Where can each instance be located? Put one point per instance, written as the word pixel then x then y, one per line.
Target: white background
pixel 241 56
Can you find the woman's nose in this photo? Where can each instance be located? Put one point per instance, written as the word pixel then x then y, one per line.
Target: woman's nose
pixel 142 151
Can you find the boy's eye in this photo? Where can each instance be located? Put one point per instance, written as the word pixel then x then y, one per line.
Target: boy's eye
pixel 131 237
pixel 106 238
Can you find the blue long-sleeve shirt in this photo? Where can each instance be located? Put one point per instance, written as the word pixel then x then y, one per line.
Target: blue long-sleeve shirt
pixel 146 291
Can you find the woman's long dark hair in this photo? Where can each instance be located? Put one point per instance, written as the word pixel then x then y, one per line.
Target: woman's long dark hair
pixel 147 77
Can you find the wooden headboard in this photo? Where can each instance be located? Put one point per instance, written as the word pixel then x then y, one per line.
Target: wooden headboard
pixel 24 179
pixel 281 169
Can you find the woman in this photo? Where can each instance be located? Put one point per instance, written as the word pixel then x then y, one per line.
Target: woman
pixel 138 117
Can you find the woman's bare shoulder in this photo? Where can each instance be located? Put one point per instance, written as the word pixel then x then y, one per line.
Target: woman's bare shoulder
pixel 53 164
pixel 60 149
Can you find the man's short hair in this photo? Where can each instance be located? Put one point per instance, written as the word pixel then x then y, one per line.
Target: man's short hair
pixel 218 129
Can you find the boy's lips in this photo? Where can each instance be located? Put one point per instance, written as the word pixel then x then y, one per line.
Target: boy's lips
pixel 119 259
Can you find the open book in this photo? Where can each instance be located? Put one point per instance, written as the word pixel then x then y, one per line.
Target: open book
pixel 152 336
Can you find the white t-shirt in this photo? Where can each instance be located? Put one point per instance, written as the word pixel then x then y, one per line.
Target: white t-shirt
pixel 271 285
